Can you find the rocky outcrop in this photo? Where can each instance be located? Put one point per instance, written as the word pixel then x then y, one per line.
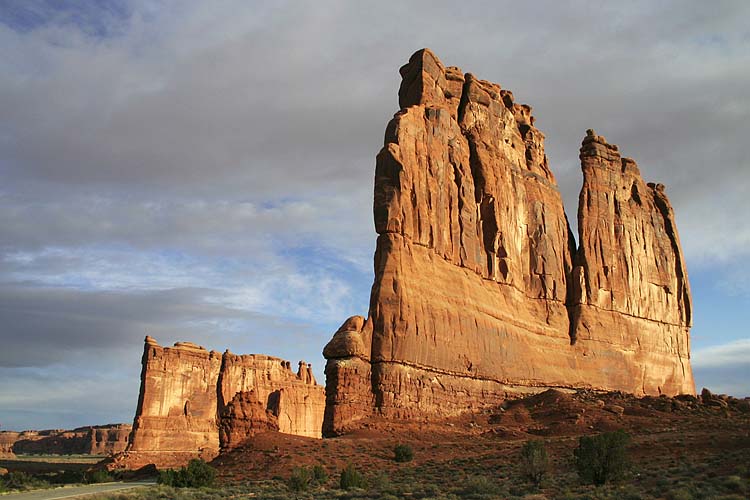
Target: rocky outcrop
pixel 629 286
pixel 477 291
pixel 349 396
pixel 7 440
pixel 90 440
pixel 194 402
pixel 244 417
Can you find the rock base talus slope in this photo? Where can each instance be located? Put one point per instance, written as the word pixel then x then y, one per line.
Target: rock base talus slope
pixel 474 267
pixel 194 402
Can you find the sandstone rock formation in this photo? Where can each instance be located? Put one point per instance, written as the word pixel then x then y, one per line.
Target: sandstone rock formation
pixel 90 440
pixel 246 416
pixel 629 283
pixel 480 291
pixel 194 402
pixel 7 439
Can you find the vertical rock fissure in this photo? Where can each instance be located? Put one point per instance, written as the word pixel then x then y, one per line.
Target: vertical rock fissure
pixel 683 294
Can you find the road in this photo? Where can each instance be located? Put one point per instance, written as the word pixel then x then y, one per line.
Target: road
pixel 75 491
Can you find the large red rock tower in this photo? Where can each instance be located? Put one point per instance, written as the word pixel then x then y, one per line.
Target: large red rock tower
pixel 480 291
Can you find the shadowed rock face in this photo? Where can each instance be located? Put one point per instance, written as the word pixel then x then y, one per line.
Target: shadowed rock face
pixel 479 289
pixel 93 440
pixel 194 402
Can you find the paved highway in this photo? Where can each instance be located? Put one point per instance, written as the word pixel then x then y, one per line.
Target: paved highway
pixel 75 491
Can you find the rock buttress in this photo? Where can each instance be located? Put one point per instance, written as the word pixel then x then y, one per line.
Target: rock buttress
pixel 349 396
pixel 473 265
pixel 176 417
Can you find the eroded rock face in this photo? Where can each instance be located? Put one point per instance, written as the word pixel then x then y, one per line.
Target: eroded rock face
pixel 194 402
pixel 244 417
pixel 7 439
pixel 630 287
pixel 90 440
pixel 349 396
pixel 475 285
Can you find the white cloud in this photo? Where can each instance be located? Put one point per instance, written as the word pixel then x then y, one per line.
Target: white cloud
pixel 733 353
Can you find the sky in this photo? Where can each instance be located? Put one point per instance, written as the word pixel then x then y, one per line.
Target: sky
pixel 203 171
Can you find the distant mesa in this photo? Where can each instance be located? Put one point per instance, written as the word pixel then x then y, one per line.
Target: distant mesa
pixel 91 440
pixel 481 291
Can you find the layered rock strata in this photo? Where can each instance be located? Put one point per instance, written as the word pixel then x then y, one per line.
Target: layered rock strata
pixel 480 291
pixel 89 440
pixel 194 402
pixel 629 284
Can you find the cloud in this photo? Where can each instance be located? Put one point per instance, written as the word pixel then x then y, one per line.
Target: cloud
pixel 724 368
pixel 732 353
pixel 56 395
pixel 42 326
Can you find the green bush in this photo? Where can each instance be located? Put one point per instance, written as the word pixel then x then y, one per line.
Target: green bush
pixel 403 453
pixel 351 478
pixel 97 476
pixel 21 481
pixel 534 461
pixel 480 485
pixel 601 458
pixel 320 475
pixel 196 474
pixel 303 478
pixel 300 480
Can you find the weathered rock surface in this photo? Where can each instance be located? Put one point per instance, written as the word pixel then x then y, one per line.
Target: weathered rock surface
pixel 90 440
pixel 194 402
pixel 244 417
pixel 7 439
pixel 478 283
pixel 630 288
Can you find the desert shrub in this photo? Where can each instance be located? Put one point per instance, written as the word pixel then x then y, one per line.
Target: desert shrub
pixel 21 481
pixel 403 453
pixel 67 477
pixel 388 496
pixel 351 478
pixel 534 461
pixel 300 480
pixel 381 482
pixel 601 458
pixel 680 494
pixel 303 478
pixel 319 473
pixel 479 485
pixel 98 476
pixel 196 474
pixel 430 491
pixel 734 484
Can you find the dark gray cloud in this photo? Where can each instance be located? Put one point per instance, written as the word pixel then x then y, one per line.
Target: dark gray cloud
pixel 42 326
pixel 204 170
